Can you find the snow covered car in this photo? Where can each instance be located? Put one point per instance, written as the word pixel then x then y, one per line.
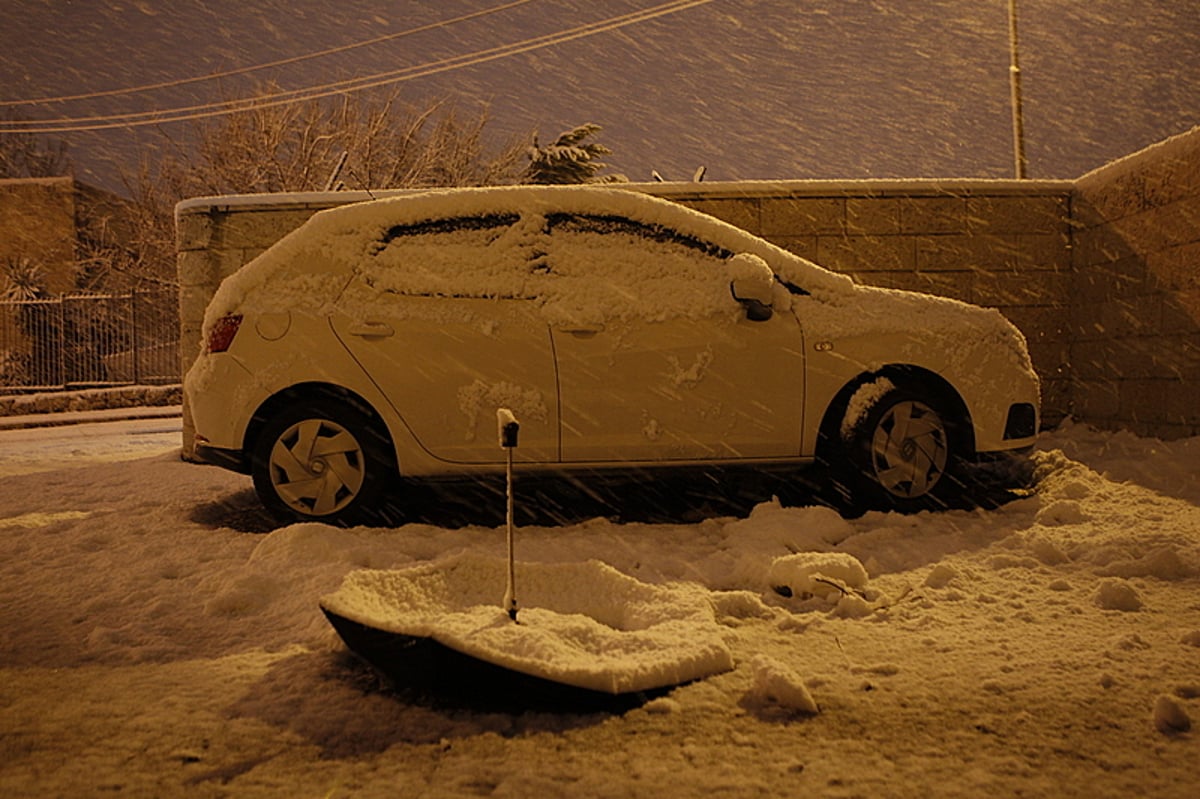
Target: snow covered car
pixel 380 338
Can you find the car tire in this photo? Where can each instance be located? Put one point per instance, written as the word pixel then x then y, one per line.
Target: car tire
pixel 322 460
pixel 901 452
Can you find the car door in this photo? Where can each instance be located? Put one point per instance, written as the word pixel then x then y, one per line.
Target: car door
pixel 439 320
pixel 657 361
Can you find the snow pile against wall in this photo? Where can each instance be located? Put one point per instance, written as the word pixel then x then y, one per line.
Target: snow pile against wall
pixel 1135 292
pixel 91 400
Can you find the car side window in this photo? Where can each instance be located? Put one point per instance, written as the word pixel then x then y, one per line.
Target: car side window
pixel 464 256
pixel 609 225
pixel 606 267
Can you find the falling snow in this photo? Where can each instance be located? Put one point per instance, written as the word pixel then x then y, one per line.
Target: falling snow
pixel 160 637
pixel 746 88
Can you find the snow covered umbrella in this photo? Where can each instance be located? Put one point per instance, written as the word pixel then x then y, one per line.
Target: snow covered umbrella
pixel 590 636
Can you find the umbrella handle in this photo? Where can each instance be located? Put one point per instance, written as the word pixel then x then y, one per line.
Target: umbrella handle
pixel 509 427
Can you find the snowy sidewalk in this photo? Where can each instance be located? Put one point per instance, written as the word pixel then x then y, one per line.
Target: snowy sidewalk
pixel 82 417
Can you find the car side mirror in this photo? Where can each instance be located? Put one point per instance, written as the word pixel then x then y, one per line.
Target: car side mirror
pixel 752 283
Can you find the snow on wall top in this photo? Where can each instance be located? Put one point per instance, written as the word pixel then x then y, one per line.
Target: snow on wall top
pixel 674 189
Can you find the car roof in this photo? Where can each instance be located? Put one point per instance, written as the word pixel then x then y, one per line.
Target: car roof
pixel 315 256
pixel 374 218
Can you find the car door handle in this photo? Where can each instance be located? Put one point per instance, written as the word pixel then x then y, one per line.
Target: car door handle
pixel 371 330
pixel 584 330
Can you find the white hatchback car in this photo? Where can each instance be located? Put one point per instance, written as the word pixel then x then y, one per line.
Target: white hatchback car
pixel 380 338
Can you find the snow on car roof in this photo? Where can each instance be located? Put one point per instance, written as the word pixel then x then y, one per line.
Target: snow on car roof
pixel 312 264
pixel 346 235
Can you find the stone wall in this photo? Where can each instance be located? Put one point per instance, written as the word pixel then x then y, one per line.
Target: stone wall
pixel 1135 292
pixel 214 238
pixel 1000 244
pixel 1102 274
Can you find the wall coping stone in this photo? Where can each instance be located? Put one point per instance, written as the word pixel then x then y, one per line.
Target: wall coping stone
pixel 1181 144
pixel 931 187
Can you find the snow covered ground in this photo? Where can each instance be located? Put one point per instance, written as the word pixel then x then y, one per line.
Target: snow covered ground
pixel 77 439
pixel 158 638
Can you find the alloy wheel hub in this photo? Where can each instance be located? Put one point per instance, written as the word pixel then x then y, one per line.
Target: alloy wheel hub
pixel 317 467
pixel 909 449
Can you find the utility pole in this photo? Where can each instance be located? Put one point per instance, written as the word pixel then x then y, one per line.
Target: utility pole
pixel 1014 80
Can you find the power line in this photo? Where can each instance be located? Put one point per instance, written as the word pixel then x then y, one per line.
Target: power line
pixel 269 65
pixel 69 125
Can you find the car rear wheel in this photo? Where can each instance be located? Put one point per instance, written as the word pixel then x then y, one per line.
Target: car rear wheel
pixel 321 460
pixel 901 452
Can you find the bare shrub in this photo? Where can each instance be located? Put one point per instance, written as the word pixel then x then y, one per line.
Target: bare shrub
pixel 296 147
pixel 369 141
pixel 28 155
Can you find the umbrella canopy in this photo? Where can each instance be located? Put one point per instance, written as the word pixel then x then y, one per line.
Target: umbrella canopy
pixel 583 626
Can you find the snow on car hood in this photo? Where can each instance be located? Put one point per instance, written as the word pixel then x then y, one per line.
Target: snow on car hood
pixel 873 311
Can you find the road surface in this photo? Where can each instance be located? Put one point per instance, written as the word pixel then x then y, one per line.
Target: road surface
pixel 42 449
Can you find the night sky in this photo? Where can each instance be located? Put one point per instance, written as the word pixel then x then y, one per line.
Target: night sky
pixel 751 89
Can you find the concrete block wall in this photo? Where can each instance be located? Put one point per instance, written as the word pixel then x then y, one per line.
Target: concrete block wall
pixel 214 239
pixel 1135 292
pixel 1102 274
pixel 1000 244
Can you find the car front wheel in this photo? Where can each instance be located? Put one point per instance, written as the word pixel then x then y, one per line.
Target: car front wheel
pixel 323 461
pixel 900 452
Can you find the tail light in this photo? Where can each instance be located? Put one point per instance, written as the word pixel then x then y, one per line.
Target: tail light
pixel 222 333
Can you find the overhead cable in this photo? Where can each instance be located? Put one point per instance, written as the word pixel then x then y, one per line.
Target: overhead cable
pixel 170 84
pixel 223 108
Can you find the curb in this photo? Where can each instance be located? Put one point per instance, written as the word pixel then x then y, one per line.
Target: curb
pixel 66 418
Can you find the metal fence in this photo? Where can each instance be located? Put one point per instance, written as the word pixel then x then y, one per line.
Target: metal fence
pixel 89 340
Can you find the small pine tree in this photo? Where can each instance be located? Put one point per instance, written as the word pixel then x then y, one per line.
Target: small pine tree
pixel 569 160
